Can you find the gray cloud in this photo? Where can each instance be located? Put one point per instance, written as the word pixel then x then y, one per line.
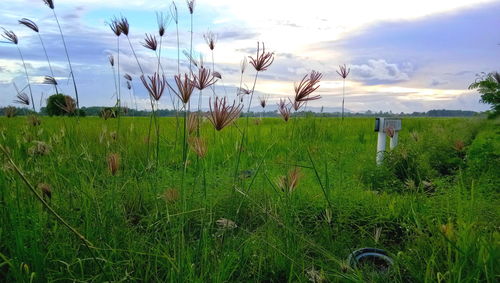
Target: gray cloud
pixel 379 71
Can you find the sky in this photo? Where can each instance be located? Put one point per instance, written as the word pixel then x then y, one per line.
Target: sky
pixel 404 56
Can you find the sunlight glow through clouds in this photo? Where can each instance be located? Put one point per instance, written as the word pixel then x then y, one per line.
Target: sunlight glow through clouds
pixel 305 35
pixel 291 25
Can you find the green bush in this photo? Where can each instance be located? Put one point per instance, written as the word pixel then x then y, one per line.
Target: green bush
pixel 56 104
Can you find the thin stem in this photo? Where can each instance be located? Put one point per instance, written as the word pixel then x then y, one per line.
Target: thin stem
pixel 191 48
pixel 48 60
pixel 159 57
pixel 184 148
pixel 178 49
pixel 69 61
pixel 82 238
pixel 213 70
pixel 157 135
pixel 246 130
pixel 343 96
pixel 135 55
pixel 27 77
pixel 119 97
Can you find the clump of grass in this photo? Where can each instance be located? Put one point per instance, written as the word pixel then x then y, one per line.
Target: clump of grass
pixel 10 111
pixel 288 183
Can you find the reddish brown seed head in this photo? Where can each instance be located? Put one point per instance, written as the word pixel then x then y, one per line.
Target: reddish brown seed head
pixel 185 88
pixel 306 87
pixel 222 114
pixel 343 71
pixel 113 163
pixel 46 190
pixel 199 146
pixel 150 42
pixel 124 26
pixel 284 109
pixel 263 59
pixel 155 85
pixel 115 27
pixel 203 79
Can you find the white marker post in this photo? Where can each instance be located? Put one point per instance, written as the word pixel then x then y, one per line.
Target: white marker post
pixel 384 126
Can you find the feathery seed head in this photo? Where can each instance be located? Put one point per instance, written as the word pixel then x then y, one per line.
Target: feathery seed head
pixel 263 101
pixel 174 13
pixel 243 64
pixel 22 98
pixel 222 114
pixel 204 78
pixel 217 75
pixel 343 71
pixel 10 36
pixel 29 24
pixel 113 163
pixel 185 88
pixel 210 39
pixel 49 3
pixel 150 42
pixel 199 146
pixel 69 105
pixel 124 26
pixel 263 60
pixel 289 182
pixel 191 4
pixel 155 86
pixel 111 60
pixel 162 21
pixel 193 122
pixel 244 90
pixel 284 109
pixel 307 85
pixel 115 26
pixel 48 80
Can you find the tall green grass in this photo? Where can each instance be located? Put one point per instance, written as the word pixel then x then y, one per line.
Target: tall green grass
pixel 436 206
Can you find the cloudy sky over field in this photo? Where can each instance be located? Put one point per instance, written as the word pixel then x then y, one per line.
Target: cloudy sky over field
pixel 404 55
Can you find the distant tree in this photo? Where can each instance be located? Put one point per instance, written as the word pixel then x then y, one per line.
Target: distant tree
pixel 489 86
pixel 59 105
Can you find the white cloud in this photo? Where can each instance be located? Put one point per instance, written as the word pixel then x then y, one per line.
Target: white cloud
pixel 382 71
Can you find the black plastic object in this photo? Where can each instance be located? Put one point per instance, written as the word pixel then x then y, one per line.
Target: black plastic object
pixel 377 124
pixel 372 256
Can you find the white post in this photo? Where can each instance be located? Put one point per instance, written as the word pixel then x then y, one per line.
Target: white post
pixel 380 147
pixel 394 140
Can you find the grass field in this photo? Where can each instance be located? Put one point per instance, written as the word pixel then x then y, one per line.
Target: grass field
pixel 290 207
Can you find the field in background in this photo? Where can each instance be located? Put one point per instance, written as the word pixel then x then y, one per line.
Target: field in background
pixel 433 205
